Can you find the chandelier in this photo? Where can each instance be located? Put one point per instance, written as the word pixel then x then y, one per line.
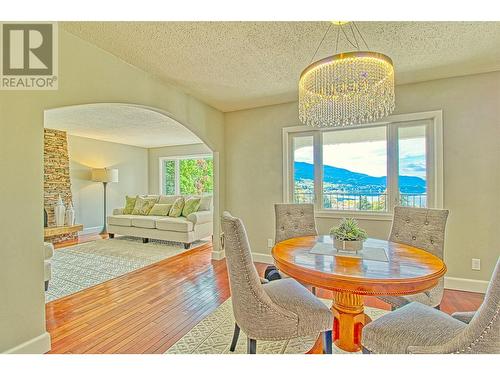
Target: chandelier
pixel 347 88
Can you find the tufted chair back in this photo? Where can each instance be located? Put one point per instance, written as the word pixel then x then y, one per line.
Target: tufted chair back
pixel 420 227
pixel 294 220
pixel 254 311
pixel 423 228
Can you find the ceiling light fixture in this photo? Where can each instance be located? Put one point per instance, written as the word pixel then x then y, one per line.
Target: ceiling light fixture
pixel 347 88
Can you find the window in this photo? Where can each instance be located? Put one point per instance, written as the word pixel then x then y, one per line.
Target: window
pixel 303 171
pixel 366 169
pixel 186 175
pixel 355 169
pixel 412 169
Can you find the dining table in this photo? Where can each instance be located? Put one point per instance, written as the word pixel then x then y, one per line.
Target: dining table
pixel 380 268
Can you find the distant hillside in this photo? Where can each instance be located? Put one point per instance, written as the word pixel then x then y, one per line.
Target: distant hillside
pixel 358 181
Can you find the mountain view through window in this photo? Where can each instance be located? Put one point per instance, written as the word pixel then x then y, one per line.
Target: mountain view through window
pixel 355 169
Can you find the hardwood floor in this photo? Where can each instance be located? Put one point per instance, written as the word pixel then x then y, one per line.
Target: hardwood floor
pixel 148 310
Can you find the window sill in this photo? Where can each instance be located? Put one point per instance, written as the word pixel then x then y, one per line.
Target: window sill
pixel 333 214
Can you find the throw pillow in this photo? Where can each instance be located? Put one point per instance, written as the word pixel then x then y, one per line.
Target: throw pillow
pixel 167 199
pixel 206 203
pixel 191 205
pixel 177 207
pixel 129 205
pixel 160 209
pixel 143 205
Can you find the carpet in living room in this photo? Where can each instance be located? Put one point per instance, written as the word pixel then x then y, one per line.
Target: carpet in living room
pixel 84 265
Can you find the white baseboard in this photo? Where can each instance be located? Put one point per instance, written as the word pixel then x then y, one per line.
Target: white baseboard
pixel 262 258
pixel 37 345
pixel 218 255
pixel 467 285
pixel 90 230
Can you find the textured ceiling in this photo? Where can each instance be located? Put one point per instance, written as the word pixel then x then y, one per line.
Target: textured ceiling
pixel 237 65
pixel 120 123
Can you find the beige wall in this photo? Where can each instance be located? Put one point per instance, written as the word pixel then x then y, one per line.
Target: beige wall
pixel 87 74
pixel 156 153
pixel 85 154
pixel 471 118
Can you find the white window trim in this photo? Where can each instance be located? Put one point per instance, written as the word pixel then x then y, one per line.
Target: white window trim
pixel 434 142
pixel 176 158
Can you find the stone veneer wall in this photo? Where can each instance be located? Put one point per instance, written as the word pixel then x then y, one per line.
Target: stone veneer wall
pixel 56 174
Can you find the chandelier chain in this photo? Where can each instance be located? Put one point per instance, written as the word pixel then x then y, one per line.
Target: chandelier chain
pixel 361 35
pixel 341 28
pixel 337 42
pixel 354 36
pixel 320 43
pixel 346 37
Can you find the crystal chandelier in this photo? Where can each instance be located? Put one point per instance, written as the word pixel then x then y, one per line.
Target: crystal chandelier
pixel 347 88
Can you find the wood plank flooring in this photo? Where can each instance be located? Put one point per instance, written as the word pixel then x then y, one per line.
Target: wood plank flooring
pixel 148 310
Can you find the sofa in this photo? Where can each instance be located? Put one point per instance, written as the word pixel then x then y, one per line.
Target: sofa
pixel 48 253
pixel 195 226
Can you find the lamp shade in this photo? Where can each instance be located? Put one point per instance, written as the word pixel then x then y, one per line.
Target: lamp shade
pixel 104 175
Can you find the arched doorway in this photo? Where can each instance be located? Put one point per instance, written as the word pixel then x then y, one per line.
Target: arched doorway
pixel 137 125
pixel 141 144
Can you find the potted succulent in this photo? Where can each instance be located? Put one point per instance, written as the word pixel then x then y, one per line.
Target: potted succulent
pixel 348 236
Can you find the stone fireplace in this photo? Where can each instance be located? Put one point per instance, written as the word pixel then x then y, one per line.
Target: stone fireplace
pixel 56 176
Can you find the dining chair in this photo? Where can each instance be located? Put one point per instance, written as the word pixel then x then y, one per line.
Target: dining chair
pixel 294 220
pixel 278 310
pixel 423 228
pixel 416 328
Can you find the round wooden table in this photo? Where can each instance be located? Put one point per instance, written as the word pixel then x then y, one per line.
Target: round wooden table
pixel 402 270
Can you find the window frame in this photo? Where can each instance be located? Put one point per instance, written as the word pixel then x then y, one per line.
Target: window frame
pixel 434 162
pixel 176 159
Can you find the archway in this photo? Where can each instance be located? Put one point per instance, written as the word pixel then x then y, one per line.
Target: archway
pixel 103 126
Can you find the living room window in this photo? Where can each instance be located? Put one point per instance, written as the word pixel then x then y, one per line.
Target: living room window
pixel 365 170
pixel 184 175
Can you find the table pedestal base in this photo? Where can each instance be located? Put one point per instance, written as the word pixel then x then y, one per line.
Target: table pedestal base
pixel 349 319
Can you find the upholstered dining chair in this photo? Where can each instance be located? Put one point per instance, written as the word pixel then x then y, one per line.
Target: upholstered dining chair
pixel 423 228
pixel 278 310
pixel 416 328
pixel 294 220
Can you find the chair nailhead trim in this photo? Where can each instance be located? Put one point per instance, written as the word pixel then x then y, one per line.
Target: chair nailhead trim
pixel 488 327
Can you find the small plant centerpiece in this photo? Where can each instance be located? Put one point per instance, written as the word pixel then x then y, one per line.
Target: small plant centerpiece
pixel 348 236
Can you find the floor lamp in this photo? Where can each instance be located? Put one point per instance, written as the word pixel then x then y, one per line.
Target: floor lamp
pixel 104 175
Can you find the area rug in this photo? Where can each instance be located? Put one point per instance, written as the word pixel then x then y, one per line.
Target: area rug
pixel 214 333
pixel 82 266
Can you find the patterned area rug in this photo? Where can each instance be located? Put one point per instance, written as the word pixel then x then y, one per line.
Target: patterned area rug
pixel 214 333
pixel 82 266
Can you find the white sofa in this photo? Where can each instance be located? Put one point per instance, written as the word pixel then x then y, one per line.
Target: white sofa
pixel 188 229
